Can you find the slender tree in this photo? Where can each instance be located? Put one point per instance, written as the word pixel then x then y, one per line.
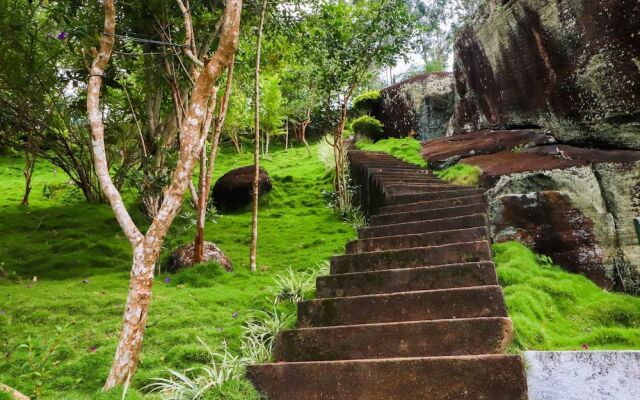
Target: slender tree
pixel 253 253
pixel 146 247
pixel 207 167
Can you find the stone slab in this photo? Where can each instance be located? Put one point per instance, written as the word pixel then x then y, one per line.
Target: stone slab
pixel 584 375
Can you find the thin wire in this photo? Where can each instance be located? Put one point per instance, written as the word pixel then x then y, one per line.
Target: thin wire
pixel 140 40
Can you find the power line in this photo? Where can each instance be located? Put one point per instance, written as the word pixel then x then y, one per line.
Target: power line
pixel 140 40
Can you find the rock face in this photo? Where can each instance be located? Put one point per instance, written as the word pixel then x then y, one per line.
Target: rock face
pixel 234 190
pixel 182 257
pixel 576 205
pixel 572 67
pixel 421 105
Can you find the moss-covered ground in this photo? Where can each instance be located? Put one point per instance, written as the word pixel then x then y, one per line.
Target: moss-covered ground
pixel 555 310
pixel 461 174
pixel 82 262
pixel 406 149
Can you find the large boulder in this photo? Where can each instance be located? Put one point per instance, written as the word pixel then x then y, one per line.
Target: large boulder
pixel 576 205
pixel 234 190
pixel 182 257
pixel 571 66
pixel 421 105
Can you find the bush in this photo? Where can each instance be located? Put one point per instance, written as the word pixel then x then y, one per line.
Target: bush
pixel 461 174
pixel 369 127
pixel 366 102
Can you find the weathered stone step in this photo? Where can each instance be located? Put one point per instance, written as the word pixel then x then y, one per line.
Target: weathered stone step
pixel 436 213
pixel 452 337
pixel 474 302
pixel 412 258
pixel 435 225
pixel 439 238
pixel 391 181
pixel 441 195
pixel 485 377
pixel 407 280
pixel 403 189
pixel 428 205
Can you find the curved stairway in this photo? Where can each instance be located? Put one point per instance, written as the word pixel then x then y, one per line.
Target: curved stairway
pixel 412 311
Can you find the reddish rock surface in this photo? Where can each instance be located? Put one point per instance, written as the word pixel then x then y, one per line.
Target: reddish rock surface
pixel 447 151
pixel 550 224
pixel 568 66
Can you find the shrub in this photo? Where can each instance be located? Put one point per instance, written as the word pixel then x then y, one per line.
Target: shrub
pixel 366 102
pixel 369 127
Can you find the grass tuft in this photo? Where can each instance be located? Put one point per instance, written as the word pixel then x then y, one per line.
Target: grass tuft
pixel 461 174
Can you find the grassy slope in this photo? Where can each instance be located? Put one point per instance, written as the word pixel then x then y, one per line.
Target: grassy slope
pixel 407 149
pixel 64 241
pixel 556 310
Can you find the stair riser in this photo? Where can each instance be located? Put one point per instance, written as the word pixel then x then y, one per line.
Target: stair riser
pixel 451 212
pixel 421 339
pixel 409 189
pixel 412 258
pixel 469 378
pixel 430 205
pixel 403 307
pixel 442 195
pixel 412 228
pixel 412 241
pixel 407 280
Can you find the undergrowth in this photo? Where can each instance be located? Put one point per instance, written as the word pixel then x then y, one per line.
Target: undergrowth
pixel 555 310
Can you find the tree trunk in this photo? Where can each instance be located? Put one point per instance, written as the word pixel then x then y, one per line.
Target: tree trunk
pixel 206 171
pixel 127 355
pixel 30 164
pixel 253 252
pixel 146 248
pixel 286 137
pixel 303 131
pixel 12 392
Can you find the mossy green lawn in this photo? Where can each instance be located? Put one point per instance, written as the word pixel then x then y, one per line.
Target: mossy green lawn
pixel 82 262
pixel 555 310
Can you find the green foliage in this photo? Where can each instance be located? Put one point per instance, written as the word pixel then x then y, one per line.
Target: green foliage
pixel 271 105
pixel 555 310
pixel 461 174
pixel 367 101
pixel 368 126
pixel 407 149
pixel 83 262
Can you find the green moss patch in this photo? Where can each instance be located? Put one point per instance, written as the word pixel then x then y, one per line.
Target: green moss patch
pixel 406 149
pixel 461 174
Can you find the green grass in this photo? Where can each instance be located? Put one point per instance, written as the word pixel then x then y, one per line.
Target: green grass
pixel 406 149
pixel 64 241
pixel 555 310
pixel 461 174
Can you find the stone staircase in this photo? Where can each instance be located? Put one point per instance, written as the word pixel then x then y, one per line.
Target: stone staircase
pixel 412 311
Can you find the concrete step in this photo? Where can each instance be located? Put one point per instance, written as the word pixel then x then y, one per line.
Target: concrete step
pixel 439 238
pixel 412 258
pixel 436 213
pixel 407 280
pixel 441 195
pixel 428 205
pixel 452 337
pixel 485 377
pixel 473 302
pixel 434 225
